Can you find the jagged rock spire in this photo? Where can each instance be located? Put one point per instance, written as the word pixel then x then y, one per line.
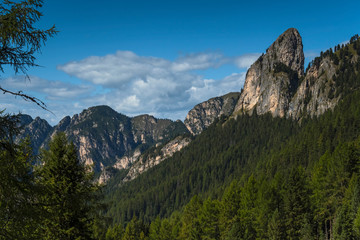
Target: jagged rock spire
pixel 269 80
pixel 288 49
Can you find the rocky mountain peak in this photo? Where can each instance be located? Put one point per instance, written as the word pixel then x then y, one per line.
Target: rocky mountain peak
pixel 103 136
pixel 272 80
pixel 287 49
pixel 38 129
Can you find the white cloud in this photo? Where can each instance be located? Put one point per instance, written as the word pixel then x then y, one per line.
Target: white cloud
pixel 54 90
pixel 58 96
pixel 198 61
pixel 212 88
pixel 116 70
pixel 148 84
pixel 245 61
pixel 133 84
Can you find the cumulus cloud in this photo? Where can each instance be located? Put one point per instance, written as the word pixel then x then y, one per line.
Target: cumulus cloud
pixel 116 69
pixel 133 84
pixel 213 88
pixel 119 69
pixel 141 84
pixel 60 97
pixel 54 90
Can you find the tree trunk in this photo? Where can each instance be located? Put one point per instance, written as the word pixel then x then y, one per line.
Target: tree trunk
pixel 326 231
pixel 331 230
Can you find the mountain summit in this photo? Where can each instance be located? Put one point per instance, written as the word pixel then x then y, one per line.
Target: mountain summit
pixel 272 79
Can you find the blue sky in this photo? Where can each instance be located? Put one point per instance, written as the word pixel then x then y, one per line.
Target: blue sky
pixel 164 57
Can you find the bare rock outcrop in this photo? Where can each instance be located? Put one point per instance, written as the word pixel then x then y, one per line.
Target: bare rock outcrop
pixel 105 138
pixel 37 129
pixel 273 78
pixel 315 94
pixel 148 161
pixel 205 113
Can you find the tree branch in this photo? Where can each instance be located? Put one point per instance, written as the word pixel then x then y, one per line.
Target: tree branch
pixel 26 98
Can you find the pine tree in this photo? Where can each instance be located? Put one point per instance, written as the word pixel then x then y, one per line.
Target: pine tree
pixel 249 209
pixel 114 233
pixel 297 203
pixel 191 224
pixel 209 219
pixel 230 205
pixel 135 230
pixel 19 210
pixel 165 230
pixel 154 229
pixel 68 192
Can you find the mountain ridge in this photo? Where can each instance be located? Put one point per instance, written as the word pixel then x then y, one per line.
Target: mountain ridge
pixel 275 83
pixel 102 135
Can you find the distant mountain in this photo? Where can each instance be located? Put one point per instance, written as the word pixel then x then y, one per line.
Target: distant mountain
pixel 104 136
pixel 37 129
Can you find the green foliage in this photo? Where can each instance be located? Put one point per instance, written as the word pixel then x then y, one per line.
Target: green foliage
pixel 213 159
pixel 347 75
pixel 191 228
pixel 114 233
pixel 135 230
pixel 292 75
pixel 286 206
pixel 285 180
pixel 19 211
pixel 209 219
pixel 20 39
pixel 297 202
pixel 68 192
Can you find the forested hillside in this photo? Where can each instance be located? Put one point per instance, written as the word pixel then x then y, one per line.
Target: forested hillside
pixel 257 176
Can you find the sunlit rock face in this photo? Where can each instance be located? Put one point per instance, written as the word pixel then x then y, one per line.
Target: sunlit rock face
pixel 146 162
pixel 205 113
pixel 272 80
pixel 105 138
pixel 315 94
pixel 276 82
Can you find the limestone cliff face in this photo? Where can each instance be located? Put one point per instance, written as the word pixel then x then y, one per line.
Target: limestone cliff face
pixel 37 129
pixel 315 94
pixel 100 134
pixel 147 129
pixel 127 161
pixel 105 138
pixel 205 113
pixel 276 82
pixel 106 175
pixel 273 78
pixel 148 161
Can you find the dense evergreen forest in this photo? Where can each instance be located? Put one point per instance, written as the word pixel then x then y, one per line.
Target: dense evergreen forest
pixel 256 177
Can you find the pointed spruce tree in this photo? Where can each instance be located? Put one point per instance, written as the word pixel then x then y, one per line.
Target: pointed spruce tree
pixel 19 208
pixel 69 192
